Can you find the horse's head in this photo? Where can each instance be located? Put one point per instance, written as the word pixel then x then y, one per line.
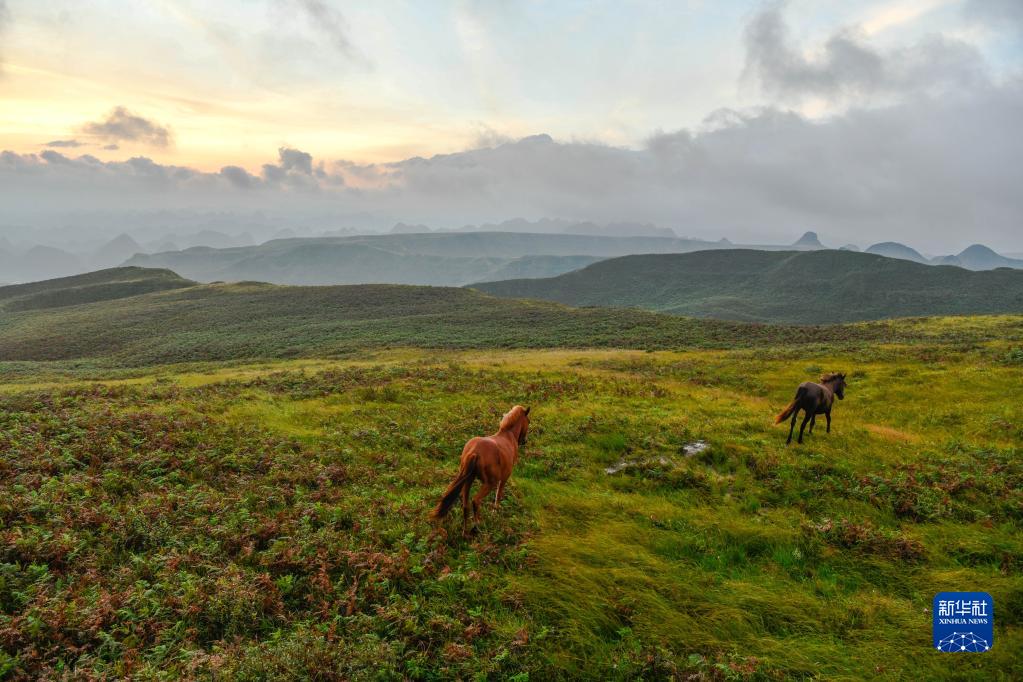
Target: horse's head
pixel 525 426
pixel 836 382
pixel 517 418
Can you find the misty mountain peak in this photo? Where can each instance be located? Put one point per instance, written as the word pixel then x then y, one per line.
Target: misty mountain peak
pixel 116 251
pixel 980 257
pixel 809 239
pixel 122 241
pixel 896 250
pixel 978 250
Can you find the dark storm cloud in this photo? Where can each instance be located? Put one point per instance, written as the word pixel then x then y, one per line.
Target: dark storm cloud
pixel 122 125
pixel 65 143
pixel 848 66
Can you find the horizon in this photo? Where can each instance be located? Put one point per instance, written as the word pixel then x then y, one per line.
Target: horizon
pixel 248 239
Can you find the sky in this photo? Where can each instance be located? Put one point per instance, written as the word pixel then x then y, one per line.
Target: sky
pixel 863 121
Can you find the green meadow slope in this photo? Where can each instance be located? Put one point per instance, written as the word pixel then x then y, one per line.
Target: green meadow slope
pixel 181 321
pixel 247 516
pixel 102 285
pixel 137 316
pixel 815 287
pixel 270 521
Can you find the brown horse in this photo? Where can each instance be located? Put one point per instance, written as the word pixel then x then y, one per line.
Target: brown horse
pixel 489 459
pixel 813 399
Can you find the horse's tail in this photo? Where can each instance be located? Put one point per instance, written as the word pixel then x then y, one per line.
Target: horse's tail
pixel 466 474
pixel 793 406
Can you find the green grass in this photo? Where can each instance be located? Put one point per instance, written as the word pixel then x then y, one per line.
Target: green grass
pixel 102 285
pixel 231 322
pixel 268 520
pixel 816 287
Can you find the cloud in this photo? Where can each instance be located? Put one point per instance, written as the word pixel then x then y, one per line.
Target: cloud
pixel 295 168
pixel 66 143
pixel 111 147
pixel 928 154
pixel 5 20
pixel 331 24
pixel 239 177
pixel 1001 15
pixel 936 172
pixel 847 67
pixel 296 160
pixel 122 125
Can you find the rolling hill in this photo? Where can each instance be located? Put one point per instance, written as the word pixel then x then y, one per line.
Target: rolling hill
pixel 980 257
pixel 102 285
pixel 816 287
pixel 134 316
pixel 897 250
pixel 437 259
pixel 140 316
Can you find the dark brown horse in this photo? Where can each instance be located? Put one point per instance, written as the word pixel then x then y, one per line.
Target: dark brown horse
pixel 813 399
pixel 489 459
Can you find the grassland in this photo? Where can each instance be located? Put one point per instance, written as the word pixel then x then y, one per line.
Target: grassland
pixel 268 520
pixel 815 287
pixel 107 320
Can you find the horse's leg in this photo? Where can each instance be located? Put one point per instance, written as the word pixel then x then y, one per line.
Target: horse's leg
pixel 802 427
pixel 465 509
pixel 499 495
pixel 828 415
pixel 485 489
pixel 792 424
pixel 813 421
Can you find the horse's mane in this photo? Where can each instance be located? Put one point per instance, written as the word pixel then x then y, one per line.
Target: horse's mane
pixel 831 376
pixel 514 414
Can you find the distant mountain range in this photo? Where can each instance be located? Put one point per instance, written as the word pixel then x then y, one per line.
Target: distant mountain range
pixel 553 226
pixel 435 258
pixel 976 257
pixel 45 262
pixel 809 287
pixel 409 254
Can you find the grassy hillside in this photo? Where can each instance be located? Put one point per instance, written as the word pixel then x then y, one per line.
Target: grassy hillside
pixel 262 522
pixel 255 320
pixel 444 259
pixel 817 287
pixel 102 285
pixel 540 266
pixel 249 320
